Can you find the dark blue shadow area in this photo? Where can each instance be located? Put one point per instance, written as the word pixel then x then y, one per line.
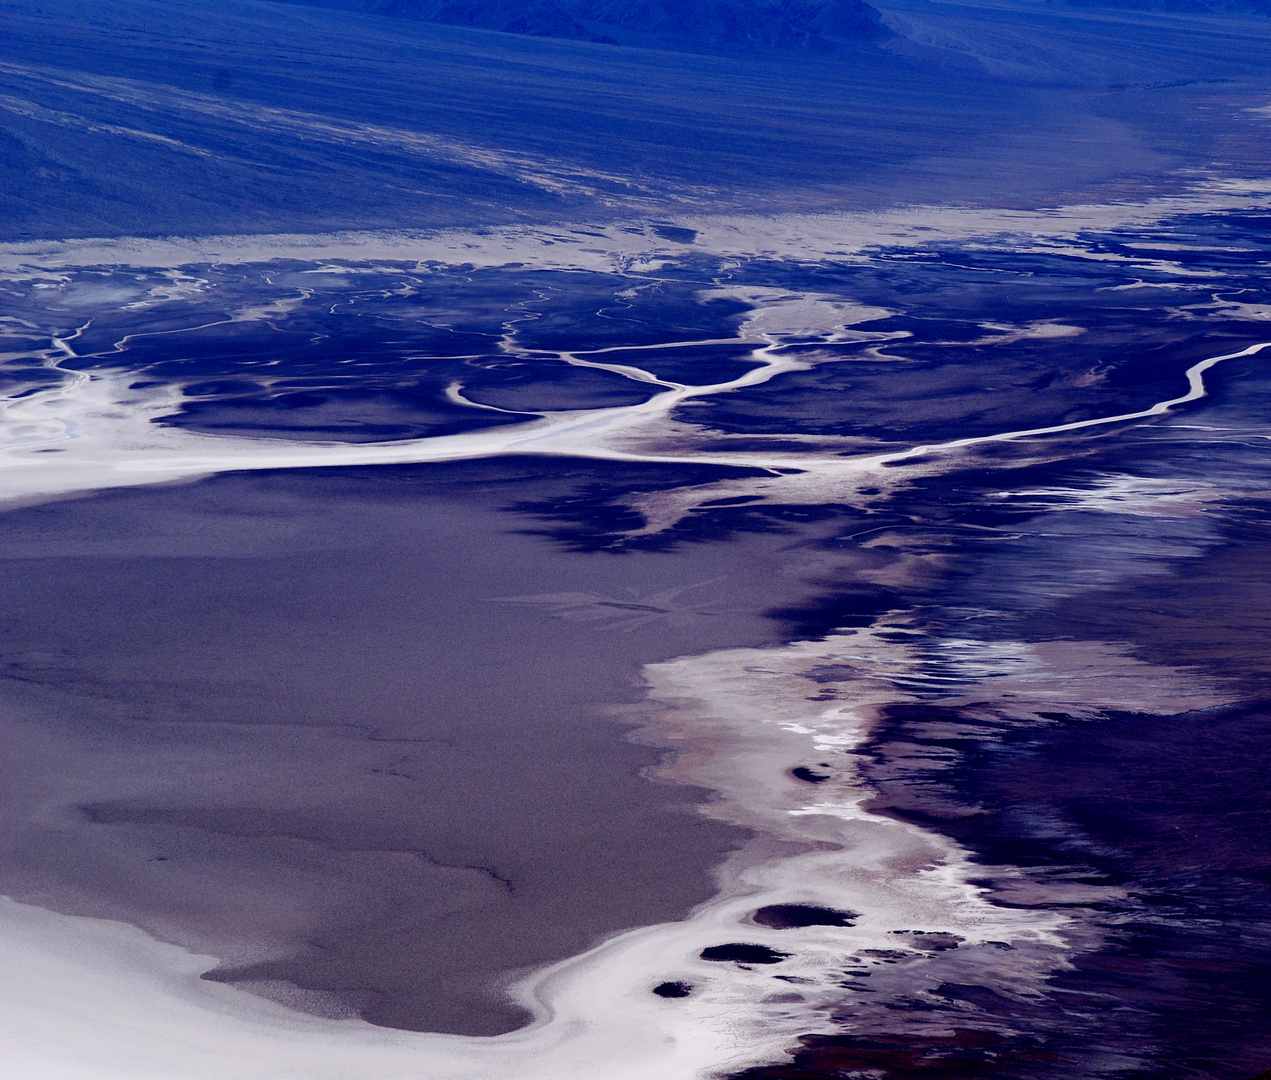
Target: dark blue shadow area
pixel 693 365
pixel 980 342
pixel 376 352
pixel 337 415
pixel 993 340
pixel 1172 811
pixel 545 387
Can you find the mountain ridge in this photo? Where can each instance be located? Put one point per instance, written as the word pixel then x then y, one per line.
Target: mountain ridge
pixel 683 25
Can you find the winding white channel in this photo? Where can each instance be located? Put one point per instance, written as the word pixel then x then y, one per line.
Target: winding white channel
pixel 92 432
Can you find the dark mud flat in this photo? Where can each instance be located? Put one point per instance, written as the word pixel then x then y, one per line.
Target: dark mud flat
pixel 1163 817
pixel 353 732
pixel 1168 814
pixel 1147 830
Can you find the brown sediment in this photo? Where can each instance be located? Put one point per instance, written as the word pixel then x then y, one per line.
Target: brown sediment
pixel 291 720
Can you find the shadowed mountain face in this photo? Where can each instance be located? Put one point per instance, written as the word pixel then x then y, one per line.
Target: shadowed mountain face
pixel 711 25
pixel 1183 7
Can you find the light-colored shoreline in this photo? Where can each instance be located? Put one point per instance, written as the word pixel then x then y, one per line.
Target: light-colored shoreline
pixel 610 246
pixel 87 999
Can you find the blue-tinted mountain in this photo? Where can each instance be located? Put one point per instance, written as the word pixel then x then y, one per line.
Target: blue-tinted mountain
pixel 694 25
pixel 230 116
pixel 1181 7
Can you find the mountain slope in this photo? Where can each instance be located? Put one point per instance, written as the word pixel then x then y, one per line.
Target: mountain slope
pixel 694 25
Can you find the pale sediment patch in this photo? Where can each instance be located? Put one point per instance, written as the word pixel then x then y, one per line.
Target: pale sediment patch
pixel 88 998
pixel 609 247
pixel 1140 496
